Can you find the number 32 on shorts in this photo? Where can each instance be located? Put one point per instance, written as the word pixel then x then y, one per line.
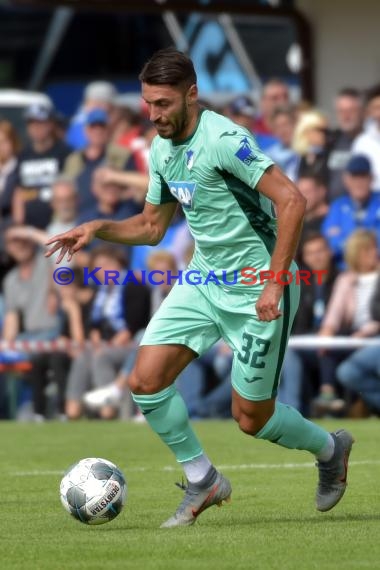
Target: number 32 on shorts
pixel 253 350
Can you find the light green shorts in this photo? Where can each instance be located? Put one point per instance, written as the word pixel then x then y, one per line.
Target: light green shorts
pixel 198 316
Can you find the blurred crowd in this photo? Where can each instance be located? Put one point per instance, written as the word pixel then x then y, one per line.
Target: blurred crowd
pixel 95 165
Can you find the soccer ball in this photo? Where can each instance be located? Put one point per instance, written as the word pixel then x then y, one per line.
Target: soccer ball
pixel 93 491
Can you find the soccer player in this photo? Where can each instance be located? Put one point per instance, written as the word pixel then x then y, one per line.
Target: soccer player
pixel 227 189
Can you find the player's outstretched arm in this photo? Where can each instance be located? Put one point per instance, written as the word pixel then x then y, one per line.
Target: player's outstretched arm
pixel 147 228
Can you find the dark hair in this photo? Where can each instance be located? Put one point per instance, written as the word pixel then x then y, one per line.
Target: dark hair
pixel 373 93
pixel 275 81
pixel 313 235
pixel 316 178
pixel 349 92
pixel 169 67
pixel 114 252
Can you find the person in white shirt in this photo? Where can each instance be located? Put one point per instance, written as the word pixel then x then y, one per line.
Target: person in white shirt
pixel 368 143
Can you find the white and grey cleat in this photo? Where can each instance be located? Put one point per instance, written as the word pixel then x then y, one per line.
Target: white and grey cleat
pixel 333 474
pixel 214 489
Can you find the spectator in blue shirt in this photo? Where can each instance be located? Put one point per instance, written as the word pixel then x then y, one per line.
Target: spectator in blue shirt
pixel 360 208
pixel 97 95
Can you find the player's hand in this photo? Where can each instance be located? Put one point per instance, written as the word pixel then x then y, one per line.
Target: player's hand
pixel 70 242
pixel 267 305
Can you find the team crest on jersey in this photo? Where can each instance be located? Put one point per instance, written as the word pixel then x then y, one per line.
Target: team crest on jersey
pixel 184 192
pixel 245 152
pixel 189 159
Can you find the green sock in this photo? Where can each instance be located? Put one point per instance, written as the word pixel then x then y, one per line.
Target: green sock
pixel 166 413
pixel 287 427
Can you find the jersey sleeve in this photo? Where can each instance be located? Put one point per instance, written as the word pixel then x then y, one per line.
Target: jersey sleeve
pixel 236 152
pixel 158 190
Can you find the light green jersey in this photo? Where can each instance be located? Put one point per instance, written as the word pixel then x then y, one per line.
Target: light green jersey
pixel 214 174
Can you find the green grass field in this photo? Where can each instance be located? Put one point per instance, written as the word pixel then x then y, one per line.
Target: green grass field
pixel 270 523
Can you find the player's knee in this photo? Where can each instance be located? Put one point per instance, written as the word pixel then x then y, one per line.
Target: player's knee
pixel 252 424
pixel 136 383
pixel 141 384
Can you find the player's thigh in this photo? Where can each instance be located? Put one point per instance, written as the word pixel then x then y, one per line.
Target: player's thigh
pixel 184 317
pixel 182 328
pixel 259 348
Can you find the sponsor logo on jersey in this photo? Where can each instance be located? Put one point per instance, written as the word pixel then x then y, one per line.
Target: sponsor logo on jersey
pixel 245 152
pixel 167 160
pixel 184 192
pixel 189 159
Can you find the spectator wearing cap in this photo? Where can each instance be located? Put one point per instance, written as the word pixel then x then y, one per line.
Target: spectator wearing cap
pixel 242 111
pixel 81 165
pixel 97 95
pixel 39 164
pixel 358 209
pixel 368 143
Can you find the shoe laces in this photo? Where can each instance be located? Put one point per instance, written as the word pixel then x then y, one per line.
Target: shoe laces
pixel 182 485
pixel 328 473
pixel 190 493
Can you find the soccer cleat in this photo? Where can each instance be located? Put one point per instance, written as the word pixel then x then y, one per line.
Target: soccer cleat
pixel 333 474
pixel 212 490
pixel 107 396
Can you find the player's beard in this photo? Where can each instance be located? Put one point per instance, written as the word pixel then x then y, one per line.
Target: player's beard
pixel 178 125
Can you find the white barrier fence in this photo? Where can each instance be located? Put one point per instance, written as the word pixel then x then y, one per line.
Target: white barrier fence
pixel 310 342
pixel 300 342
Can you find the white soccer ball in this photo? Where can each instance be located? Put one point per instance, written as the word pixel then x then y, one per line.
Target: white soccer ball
pixel 93 490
